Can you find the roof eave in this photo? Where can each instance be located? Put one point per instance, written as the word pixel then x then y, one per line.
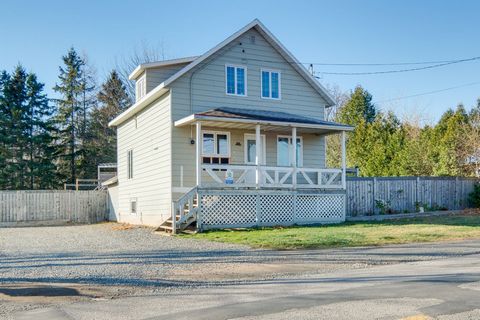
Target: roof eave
pixel 139 105
pixel 157 64
pixel 191 119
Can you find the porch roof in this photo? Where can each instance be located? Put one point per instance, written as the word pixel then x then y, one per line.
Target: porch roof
pixel 236 118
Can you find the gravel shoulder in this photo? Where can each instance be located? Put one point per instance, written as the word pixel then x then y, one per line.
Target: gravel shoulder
pixel 55 265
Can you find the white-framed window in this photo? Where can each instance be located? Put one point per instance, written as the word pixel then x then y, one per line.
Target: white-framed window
pixel 271 84
pixel 140 88
pixel 130 164
pixel 215 147
pixel 235 80
pixel 284 151
pixel 133 205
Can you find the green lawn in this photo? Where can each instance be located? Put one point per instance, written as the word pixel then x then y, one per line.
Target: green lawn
pixel 352 234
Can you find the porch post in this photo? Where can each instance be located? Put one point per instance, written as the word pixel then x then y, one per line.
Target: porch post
pixel 198 152
pixel 344 162
pixel 294 157
pixel 258 154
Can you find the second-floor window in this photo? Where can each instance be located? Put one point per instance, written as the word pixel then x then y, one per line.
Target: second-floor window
pixel 270 84
pixel 140 88
pixel 236 80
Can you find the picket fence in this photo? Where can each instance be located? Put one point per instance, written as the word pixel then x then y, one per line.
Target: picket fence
pixel 369 196
pixel 52 206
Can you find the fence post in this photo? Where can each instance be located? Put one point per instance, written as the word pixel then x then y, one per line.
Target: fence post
pixel 456 200
pixel 374 194
pixel 417 193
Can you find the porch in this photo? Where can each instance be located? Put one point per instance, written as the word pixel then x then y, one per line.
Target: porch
pixel 280 178
pixel 289 165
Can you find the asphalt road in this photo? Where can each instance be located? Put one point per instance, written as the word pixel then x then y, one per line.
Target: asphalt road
pixel 443 288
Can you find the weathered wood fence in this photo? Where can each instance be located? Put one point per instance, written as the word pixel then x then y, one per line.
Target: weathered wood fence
pixel 52 206
pixel 368 196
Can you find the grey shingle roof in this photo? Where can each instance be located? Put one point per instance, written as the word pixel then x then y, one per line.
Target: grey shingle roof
pixel 261 115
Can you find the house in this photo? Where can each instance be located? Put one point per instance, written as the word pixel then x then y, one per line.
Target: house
pixel 232 138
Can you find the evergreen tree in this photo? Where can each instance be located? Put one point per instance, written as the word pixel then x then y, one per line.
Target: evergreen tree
pixel 113 99
pixel 15 111
pixel 42 171
pixel 358 108
pixel 70 87
pixel 5 152
pixel 447 139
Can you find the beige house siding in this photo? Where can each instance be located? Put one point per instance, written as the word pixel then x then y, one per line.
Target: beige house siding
pixel 155 76
pixel 148 134
pixel 208 92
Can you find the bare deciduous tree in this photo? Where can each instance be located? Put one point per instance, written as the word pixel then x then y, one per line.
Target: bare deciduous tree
pixel 143 53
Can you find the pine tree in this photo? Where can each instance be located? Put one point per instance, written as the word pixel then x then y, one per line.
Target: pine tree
pixel 113 99
pixel 15 96
pixel 4 134
pixel 358 108
pixel 70 87
pixel 40 155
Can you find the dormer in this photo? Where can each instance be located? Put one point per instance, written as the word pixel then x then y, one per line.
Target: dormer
pixel 149 75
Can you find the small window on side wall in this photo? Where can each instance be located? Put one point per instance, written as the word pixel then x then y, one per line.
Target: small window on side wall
pixel 236 80
pixel 130 164
pixel 271 84
pixel 133 205
pixel 140 88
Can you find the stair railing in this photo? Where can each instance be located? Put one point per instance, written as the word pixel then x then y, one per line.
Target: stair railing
pixel 184 208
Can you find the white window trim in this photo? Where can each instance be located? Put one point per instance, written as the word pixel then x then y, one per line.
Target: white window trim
pixel 136 206
pixel 270 87
pixel 141 91
pixel 300 158
pixel 251 136
pixel 215 133
pixel 130 164
pixel 235 80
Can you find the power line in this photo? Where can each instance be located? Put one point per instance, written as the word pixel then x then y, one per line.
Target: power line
pixel 380 64
pixel 429 92
pixel 431 65
pixel 400 70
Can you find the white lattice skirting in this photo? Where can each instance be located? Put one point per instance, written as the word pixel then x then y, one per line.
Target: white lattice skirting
pixel 249 208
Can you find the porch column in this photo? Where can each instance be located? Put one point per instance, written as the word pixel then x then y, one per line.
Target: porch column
pixel 198 152
pixel 294 157
pixel 344 162
pixel 258 155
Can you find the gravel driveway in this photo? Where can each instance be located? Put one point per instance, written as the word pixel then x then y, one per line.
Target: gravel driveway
pixel 111 260
pixel 113 254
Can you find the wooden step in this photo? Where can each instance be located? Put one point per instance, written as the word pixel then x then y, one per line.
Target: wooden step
pixel 165 227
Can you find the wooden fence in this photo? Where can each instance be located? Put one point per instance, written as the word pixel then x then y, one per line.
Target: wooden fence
pixel 52 206
pixel 369 196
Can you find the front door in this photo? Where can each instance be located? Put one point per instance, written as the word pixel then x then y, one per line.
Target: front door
pixel 251 153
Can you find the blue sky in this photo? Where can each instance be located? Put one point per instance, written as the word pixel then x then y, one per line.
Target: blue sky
pixel 38 33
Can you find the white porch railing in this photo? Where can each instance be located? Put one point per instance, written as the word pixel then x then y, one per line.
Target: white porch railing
pixel 269 176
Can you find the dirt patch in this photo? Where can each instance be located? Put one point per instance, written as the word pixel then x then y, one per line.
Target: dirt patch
pixel 122 226
pixel 249 271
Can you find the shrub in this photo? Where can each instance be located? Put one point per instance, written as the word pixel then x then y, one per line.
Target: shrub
pixel 474 196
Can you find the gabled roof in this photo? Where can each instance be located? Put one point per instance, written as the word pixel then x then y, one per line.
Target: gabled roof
pixel 162 88
pixel 156 64
pixel 254 116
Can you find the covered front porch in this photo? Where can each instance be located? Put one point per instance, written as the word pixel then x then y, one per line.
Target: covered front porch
pixel 236 148
pixel 258 168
